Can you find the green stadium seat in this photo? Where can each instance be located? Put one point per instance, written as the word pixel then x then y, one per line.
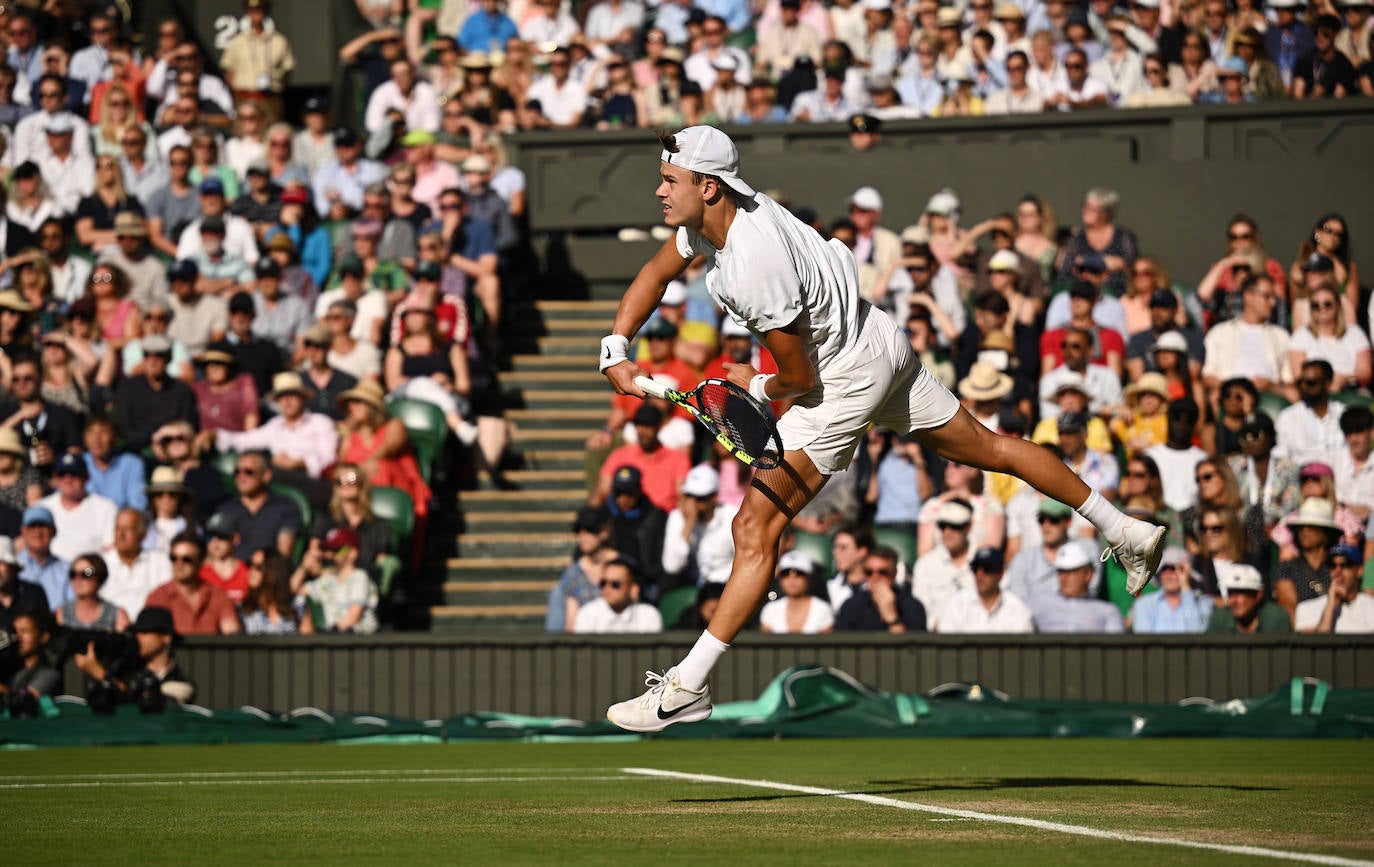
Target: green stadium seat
pixel 307 514
pixel 394 506
pixel 1351 397
pixel 817 547
pixel 225 463
pixel 674 602
pixel 1272 404
pixel 901 541
pixel 384 572
pixel 427 428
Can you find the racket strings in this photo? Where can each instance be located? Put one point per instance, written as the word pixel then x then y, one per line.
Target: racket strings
pixel 748 425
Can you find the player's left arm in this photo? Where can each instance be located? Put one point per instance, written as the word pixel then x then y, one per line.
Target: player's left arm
pixel 796 373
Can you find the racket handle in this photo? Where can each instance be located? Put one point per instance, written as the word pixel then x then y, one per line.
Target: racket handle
pixel 651 388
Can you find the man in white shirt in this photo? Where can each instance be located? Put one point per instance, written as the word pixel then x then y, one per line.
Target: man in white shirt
pixel 1310 430
pixel 561 99
pixel 619 609
pixel 1018 97
pixel 697 542
pixel 69 175
pixel 134 572
pixel 1353 468
pixel 1081 91
pixel 1249 345
pixel 30 134
pixel 614 22
pixel 239 241
pixel 91 64
pixel 300 441
pixel 945 570
pixel 1344 610
pixel 407 93
pixel 85 522
pixel 985 607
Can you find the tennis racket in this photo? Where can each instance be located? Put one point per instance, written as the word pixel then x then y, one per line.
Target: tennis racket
pixel 738 422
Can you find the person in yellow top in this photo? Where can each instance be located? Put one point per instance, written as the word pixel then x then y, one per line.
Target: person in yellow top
pixel 257 61
pixel 1146 422
pixel 1072 396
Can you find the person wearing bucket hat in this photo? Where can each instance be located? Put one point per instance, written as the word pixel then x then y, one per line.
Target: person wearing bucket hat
pixel 799 293
pixel 1308 575
pixel 302 443
pixel 983 390
pixel 227 397
pixel 1148 423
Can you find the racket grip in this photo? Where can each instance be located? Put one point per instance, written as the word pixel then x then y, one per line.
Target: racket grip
pixel 651 388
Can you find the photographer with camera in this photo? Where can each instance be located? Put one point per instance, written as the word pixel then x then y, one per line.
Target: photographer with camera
pixel 35 678
pixel 147 679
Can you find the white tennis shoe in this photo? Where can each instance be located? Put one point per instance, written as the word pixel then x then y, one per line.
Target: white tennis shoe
pixel 666 702
pixel 1139 552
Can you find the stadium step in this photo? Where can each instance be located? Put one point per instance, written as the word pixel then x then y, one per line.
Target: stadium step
pixel 514 544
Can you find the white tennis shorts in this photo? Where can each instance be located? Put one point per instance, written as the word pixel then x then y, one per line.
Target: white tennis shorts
pixel 879 382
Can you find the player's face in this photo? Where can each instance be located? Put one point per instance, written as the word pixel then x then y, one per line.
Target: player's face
pixel 683 203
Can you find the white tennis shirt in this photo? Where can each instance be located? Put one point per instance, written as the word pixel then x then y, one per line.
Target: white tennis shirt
pixel 775 268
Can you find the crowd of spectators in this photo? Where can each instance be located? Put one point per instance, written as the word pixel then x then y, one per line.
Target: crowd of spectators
pixel 213 292
pixel 1232 407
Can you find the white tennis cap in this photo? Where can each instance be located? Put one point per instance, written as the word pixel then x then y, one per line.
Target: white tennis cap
pixel 1004 260
pixel 709 151
pixel 1071 556
pixel 702 481
pixel 1238 576
pixel 867 199
pixel 729 327
pixel 797 560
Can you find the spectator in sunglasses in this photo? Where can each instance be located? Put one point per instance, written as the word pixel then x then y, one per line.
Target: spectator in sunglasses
pixel 619 609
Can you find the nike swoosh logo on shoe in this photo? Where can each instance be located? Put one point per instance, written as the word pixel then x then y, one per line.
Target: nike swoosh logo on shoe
pixel 672 713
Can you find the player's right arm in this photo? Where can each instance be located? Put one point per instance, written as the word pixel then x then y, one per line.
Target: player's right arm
pixel 637 305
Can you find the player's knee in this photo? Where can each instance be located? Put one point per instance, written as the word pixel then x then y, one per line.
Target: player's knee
pixel 755 532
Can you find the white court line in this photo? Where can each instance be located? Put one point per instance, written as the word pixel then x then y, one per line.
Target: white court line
pixel 196 775
pixel 305 781
pixel 1040 824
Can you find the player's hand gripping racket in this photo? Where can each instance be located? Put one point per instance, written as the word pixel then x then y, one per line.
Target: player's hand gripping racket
pixel 743 425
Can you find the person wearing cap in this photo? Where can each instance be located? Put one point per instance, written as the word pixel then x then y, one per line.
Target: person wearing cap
pixel 222 569
pixel 1246 610
pixel 36 565
pixel 84 521
pixel 132 254
pixel 236 242
pixel 319 368
pixel 944 570
pixel 874 244
pixel 144 403
pixel 1178 608
pixel 257 62
pixel 618 609
pixel 260 201
pixel 486 204
pixel 1031 571
pixel 153 677
pixel 1233 75
pixel 1165 313
pixel 68 174
pixel 820 332
pixel 30 140
pixel 738 346
pixel 278 318
pixel 301 442
pixel 133 571
pixel 664 469
pixel 985 607
pixel 796 611
pixel 1345 610
pixel 1102 385
pixel 338 185
pixel 697 543
pixel 197 318
pixel 783 40
pixel 637 527
pixel 256 356
pixel 1315 528
pixel 1071 607
pixel 226 397
pixel 1003 268
pixel 881 605
pixel 577 585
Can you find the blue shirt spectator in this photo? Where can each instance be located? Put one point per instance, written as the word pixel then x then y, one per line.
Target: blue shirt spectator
pixel 121 480
pixel 736 13
pixel 487 29
pixel 1154 614
pixel 899 498
pixel 51 575
pixel 473 240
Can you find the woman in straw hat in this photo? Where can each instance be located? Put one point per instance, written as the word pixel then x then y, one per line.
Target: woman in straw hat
pixel 1316 481
pixel 1307 576
pixel 20 485
pixel 169 509
pixel 1144 422
pixel 379 444
pixel 227 399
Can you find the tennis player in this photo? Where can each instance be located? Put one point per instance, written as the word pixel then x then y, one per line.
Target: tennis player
pixel 846 366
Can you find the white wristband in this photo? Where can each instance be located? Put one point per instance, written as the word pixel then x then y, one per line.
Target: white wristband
pixel 614 349
pixel 756 387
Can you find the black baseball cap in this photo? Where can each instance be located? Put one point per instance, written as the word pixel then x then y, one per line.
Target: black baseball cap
pixel 988 559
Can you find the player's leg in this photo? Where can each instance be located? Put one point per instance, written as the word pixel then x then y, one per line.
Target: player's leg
pixel 1139 545
pixel 773 500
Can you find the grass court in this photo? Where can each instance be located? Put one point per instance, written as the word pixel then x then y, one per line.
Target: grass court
pixel 945 802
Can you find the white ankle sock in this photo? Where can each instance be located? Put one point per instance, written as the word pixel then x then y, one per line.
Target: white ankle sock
pixel 696 667
pixel 1108 520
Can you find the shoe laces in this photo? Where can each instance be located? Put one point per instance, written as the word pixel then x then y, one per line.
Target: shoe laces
pixel 657 684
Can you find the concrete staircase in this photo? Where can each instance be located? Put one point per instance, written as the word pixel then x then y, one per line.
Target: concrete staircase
pixel 514 544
